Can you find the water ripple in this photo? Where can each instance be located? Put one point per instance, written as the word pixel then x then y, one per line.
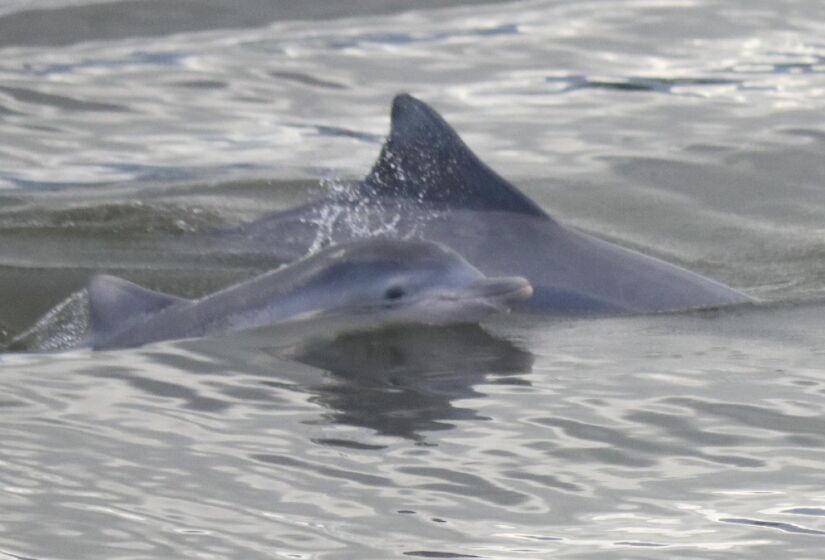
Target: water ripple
pixel 686 130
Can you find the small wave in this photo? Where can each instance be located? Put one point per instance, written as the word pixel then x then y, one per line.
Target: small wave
pixel 640 84
pixel 129 216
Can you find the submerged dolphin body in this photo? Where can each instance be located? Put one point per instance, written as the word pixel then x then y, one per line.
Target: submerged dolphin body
pixel 392 281
pixel 428 184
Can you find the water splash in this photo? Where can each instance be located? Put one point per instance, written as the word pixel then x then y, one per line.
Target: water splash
pixel 350 214
pixel 61 328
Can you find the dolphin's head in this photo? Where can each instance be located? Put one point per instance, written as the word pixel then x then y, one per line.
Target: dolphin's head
pixel 411 281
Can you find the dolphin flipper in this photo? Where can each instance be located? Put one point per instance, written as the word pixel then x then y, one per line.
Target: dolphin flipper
pixel 115 303
pixel 425 160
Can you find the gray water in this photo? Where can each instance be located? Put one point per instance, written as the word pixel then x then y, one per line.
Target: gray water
pixel 690 130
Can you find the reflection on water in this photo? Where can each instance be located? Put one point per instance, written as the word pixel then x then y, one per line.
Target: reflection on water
pixel 400 382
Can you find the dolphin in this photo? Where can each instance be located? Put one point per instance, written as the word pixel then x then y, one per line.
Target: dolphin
pixel 427 184
pixel 395 281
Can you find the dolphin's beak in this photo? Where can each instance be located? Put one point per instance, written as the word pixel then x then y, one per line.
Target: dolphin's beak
pixel 500 291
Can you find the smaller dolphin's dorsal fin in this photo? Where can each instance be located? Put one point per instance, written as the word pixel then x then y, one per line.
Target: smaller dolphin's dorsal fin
pixel 424 159
pixel 115 303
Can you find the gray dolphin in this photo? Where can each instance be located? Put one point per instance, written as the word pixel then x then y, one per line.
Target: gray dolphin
pixel 394 280
pixel 428 184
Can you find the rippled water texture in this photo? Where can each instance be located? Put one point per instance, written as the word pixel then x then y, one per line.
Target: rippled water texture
pixel 691 130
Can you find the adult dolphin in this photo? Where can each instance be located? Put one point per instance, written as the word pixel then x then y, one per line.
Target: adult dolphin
pixel 392 281
pixel 428 184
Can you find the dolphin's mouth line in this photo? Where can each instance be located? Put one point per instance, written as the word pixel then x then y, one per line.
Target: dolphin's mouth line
pixel 515 293
pixel 515 288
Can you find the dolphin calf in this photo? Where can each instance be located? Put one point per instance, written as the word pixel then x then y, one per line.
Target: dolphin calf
pixel 428 184
pixel 397 281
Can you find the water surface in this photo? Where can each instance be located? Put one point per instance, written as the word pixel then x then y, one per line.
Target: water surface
pixel 692 131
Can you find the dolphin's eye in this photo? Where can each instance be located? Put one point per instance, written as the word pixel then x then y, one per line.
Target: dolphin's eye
pixel 394 292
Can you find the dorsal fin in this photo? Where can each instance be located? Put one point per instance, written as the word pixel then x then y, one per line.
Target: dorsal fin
pixel 424 159
pixel 115 303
